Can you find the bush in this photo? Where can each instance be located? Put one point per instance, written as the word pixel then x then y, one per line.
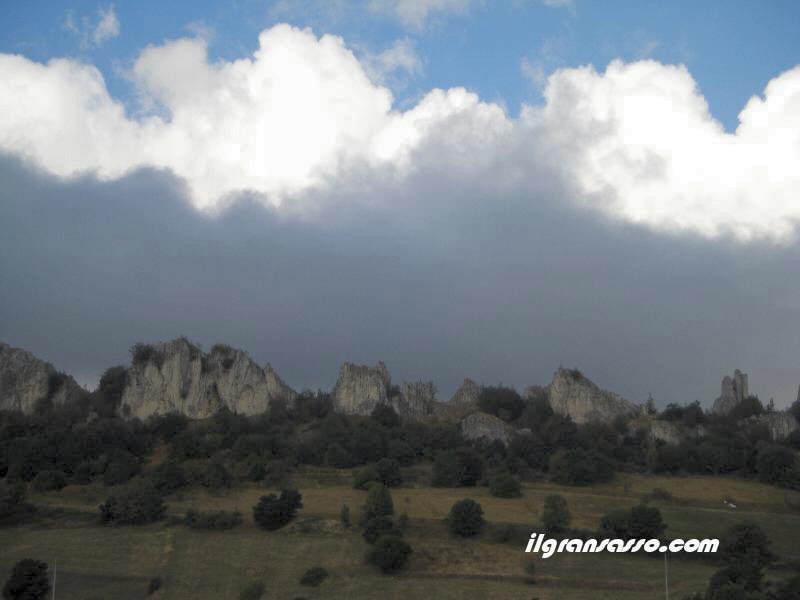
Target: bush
pixel 777 465
pixel 640 522
pixel 12 501
pixel 153 586
pixel 46 481
pixel 579 467
pixel 389 472
pixel 659 494
pixel 215 519
pixel 555 516
pixel 389 554
pixel 273 512
pixel 379 503
pixel 314 576
pixel 460 467
pixel 364 477
pixel 465 518
pixel 28 581
pixel 168 477
pixel 378 526
pixel 344 515
pixel 385 415
pixel 120 471
pixel 136 505
pixel 253 591
pixel 504 485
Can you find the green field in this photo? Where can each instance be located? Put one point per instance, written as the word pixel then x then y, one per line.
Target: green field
pixel 116 563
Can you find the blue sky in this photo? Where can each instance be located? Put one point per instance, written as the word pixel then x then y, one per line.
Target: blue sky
pixel 732 48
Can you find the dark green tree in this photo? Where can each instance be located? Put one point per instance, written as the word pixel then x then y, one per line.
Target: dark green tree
pixel 465 518
pixel 555 516
pixel 28 581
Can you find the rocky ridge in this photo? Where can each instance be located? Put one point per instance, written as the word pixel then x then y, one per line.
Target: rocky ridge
pixel 571 394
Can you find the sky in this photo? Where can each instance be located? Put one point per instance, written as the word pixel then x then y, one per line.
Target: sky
pixel 458 188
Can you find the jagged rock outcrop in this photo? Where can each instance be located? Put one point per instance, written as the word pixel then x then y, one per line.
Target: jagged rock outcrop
pixel 733 391
pixel 176 376
pixel 779 424
pixel 25 380
pixel 670 432
pixel 467 393
pixel 572 394
pixel 360 388
pixel 483 425
pixel 415 399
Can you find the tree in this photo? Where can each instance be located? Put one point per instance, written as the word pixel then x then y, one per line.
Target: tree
pixel 28 581
pixel 504 485
pixel 344 515
pixel 500 401
pixel 378 526
pixel 136 505
pixel 273 512
pixel 390 554
pixel 777 465
pixel 579 467
pixel 49 480
pixel 385 415
pixel 389 472
pixel 379 503
pixel 460 467
pixel 465 518
pixel 744 553
pixel 314 576
pixel 555 516
pixel 640 522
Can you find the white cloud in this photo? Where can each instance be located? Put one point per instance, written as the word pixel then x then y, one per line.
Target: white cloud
pixel 94 33
pixel 558 3
pixel 416 13
pixel 636 142
pixel 394 65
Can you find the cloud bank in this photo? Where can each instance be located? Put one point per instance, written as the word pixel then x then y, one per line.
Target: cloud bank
pixel 635 142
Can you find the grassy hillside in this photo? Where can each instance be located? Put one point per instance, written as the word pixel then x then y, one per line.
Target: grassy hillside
pixel 117 562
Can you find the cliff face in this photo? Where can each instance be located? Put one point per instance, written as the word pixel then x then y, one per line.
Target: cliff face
pixel 25 380
pixel 573 395
pixel 733 391
pixel 779 424
pixel 177 376
pixel 467 393
pixel 672 433
pixel 483 425
pixel 360 388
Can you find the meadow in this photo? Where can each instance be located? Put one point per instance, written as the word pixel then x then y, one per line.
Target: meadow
pixel 117 562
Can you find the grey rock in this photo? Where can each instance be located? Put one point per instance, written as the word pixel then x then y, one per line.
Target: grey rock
pixel 179 377
pixel 360 388
pixel 672 433
pixel 467 393
pixel 733 391
pixel 26 379
pixel 780 424
pixel 571 394
pixel 483 425
pixel 415 400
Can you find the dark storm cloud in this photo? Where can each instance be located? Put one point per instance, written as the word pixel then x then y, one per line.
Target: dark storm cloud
pixel 440 276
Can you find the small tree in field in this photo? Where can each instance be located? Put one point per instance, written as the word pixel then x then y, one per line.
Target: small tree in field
pixel 273 512
pixel 555 516
pixel 465 518
pixel 389 553
pixel 379 503
pixel 28 581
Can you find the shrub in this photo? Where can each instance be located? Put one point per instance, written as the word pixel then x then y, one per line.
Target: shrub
pixel 364 477
pixel 579 467
pixel 253 591
pixel 168 477
pixel 153 586
pixel 119 471
pixel 378 526
pixel 46 481
pixel 12 501
pixel 136 505
pixel 640 522
pixel 379 503
pixel 777 465
pixel 273 512
pixel 389 554
pixel 460 467
pixel 389 472
pixel 215 519
pixel 659 494
pixel 465 518
pixel 385 415
pixel 28 581
pixel 555 516
pixel 504 485
pixel 344 515
pixel 314 576
pixel 83 473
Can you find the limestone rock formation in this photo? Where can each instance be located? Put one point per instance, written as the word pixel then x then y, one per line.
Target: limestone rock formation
pixel 670 432
pixel 176 376
pixel 415 399
pixel 483 425
pixel 467 393
pixel 734 390
pixel 779 424
pixel 360 388
pixel 26 379
pixel 572 394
